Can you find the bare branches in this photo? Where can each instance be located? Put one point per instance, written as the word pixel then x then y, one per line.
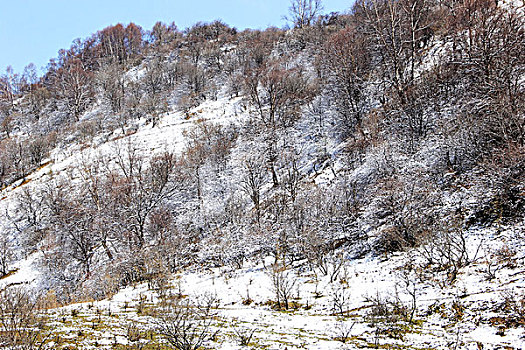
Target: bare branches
pixel 346 62
pixel 20 326
pixel 186 324
pixel 283 91
pixel 6 255
pixel 304 12
pixel 253 180
pixel 244 335
pixel 283 285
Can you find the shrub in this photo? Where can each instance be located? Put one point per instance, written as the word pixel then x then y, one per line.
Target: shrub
pixel 186 324
pixel 20 325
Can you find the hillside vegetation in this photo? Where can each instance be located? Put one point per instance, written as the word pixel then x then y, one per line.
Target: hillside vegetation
pixel 378 154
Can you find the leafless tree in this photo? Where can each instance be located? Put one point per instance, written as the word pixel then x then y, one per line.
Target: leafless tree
pixel 283 285
pixel 139 189
pixel 252 182
pixel 408 283
pixel 486 56
pixel 7 124
pixel 6 255
pixel 244 335
pixel 346 64
pixel 75 87
pixel 341 298
pixel 9 86
pixel 343 330
pixel 291 178
pixel 448 248
pixel 186 324
pixel 162 34
pixel 76 233
pixel 398 32
pixel 195 156
pixel 304 12
pixel 111 79
pixel 277 93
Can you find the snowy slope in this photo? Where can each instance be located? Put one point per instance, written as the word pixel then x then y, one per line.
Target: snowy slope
pixel 449 315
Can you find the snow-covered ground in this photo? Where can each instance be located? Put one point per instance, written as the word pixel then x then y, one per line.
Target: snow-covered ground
pixel 456 317
pixel 459 315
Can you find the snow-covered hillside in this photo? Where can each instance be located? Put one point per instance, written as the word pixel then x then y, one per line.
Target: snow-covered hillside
pixel 351 304
pixel 357 183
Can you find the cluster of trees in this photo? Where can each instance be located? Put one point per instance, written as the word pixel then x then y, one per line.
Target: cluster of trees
pixel 420 97
pixel 97 66
pixel 113 215
pixel 19 157
pixel 417 74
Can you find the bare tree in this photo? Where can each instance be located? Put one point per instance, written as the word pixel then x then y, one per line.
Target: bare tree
pixel 343 330
pixel 76 233
pixel 139 189
pixel 341 299
pixel 195 156
pixel 408 283
pixel 398 32
pixel 75 87
pixel 291 177
pixel 5 255
pixel 283 284
pixel 244 335
pixel 162 35
pixel 37 94
pixel 449 248
pixel 111 79
pixel 487 57
pixel 346 64
pixel 33 218
pixel 7 124
pixel 186 324
pixel 277 94
pixel 304 12
pixel 9 86
pixel 253 181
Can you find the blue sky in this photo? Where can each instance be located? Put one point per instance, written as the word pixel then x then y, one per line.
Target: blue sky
pixel 34 30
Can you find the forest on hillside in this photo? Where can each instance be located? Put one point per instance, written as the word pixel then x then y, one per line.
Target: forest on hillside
pixel 398 126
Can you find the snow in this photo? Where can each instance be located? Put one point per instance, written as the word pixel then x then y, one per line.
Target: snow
pixel 317 327
pixel 26 272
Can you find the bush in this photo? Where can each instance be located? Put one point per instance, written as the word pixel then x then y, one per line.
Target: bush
pixel 283 285
pixel 20 325
pixel 186 324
